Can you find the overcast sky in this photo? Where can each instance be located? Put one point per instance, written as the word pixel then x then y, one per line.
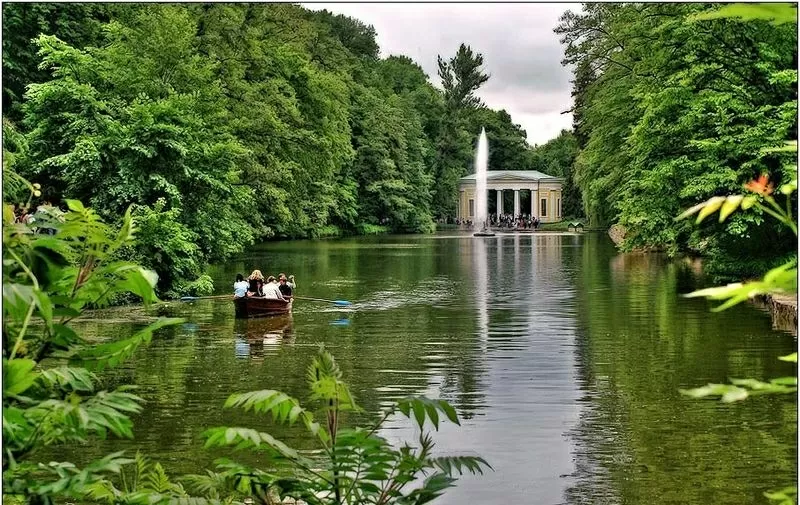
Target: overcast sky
pixel 521 52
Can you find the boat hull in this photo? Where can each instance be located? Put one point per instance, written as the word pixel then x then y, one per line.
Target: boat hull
pixel 260 307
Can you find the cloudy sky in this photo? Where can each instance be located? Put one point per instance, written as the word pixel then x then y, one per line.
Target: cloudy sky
pixel 521 52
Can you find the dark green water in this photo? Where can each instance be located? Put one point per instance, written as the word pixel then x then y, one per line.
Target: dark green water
pixel 563 358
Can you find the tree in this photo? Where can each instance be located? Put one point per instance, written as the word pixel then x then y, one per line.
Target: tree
pixel 674 112
pixel 461 77
pixel 508 145
pixel 557 157
pixel 79 25
pixel 137 121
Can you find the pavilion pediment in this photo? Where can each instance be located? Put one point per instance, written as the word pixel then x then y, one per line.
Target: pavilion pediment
pixel 509 178
pixel 494 177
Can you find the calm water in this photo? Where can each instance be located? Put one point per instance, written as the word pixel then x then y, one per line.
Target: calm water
pixel 563 358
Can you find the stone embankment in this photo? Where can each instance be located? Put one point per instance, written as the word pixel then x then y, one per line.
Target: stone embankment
pixel 783 309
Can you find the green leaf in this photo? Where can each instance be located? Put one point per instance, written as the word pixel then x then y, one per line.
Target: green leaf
pixel 419 412
pixel 77 379
pixel 461 464
pixel 433 415
pixel 75 205
pixel 248 438
pixel 749 201
pixel 727 392
pixel 789 357
pixel 18 376
pixel 730 205
pixel 691 210
pixel 711 206
pixel 449 411
pixel 777 13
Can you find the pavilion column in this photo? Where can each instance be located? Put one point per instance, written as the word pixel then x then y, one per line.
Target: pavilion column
pixel 516 203
pixel 499 202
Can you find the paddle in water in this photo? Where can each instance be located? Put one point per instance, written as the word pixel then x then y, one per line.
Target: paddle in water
pixel 340 303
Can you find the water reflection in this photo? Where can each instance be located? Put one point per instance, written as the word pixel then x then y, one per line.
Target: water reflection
pixel 637 439
pixel 256 338
pixel 482 291
pixel 525 390
pixel 562 357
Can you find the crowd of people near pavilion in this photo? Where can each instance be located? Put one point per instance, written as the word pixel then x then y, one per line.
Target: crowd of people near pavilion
pixel 520 221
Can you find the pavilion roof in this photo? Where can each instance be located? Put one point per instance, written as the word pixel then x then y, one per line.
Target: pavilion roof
pixel 525 175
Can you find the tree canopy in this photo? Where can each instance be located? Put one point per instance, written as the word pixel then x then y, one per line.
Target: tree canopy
pixel 226 124
pixel 672 109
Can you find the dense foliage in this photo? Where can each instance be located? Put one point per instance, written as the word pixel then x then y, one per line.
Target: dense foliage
pixel 225 124
pixel 671 109
pixel 51 395
pixel 557 157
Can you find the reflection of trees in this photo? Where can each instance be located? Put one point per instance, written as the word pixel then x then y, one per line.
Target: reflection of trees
pixel 422 341
pixel 640 441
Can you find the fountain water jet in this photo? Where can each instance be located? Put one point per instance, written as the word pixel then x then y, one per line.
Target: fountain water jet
pixel 481 193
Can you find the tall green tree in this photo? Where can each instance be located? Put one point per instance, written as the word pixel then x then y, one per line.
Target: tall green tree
pixel 78 24
pixel 675 111
pixel 462 76
pixel 557 157
pixel 508 145
pixel 137 121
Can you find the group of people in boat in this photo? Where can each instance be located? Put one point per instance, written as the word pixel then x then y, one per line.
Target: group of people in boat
pixel 280 288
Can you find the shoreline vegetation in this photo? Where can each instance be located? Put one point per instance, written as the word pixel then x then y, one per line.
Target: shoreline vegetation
pixel 178 135
pixel 220 128
pixel 233 131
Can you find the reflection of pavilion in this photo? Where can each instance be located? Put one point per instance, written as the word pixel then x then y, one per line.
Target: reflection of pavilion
pixel 533 193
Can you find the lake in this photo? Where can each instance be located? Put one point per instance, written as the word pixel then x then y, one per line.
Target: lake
pixel 562 356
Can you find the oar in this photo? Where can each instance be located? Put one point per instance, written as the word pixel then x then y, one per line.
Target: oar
pixel 193 298
pixel 341 303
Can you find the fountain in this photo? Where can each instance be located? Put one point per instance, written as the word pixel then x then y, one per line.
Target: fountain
pixel 481 193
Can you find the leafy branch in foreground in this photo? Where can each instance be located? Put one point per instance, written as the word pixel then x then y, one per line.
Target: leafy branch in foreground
pixel 352 465
pixel 48 281
pixel 780 280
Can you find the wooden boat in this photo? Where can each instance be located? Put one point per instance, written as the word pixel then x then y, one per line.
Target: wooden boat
pixel 255 306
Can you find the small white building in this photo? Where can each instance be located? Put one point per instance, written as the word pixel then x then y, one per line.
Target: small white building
pixel 534 193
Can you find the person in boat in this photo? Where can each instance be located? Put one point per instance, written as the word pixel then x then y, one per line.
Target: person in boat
pixel 291 283
pixel 271 289
pixel 284 287
pixel 240 287
pixel 255 284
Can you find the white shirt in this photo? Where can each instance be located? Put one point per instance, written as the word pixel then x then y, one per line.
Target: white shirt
pixel 271 291
pixel 240 288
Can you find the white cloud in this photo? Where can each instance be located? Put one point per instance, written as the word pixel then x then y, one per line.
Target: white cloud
pixel 520 51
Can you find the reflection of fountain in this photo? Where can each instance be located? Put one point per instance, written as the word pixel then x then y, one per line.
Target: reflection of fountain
pixel 481 194
pixel 482 291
